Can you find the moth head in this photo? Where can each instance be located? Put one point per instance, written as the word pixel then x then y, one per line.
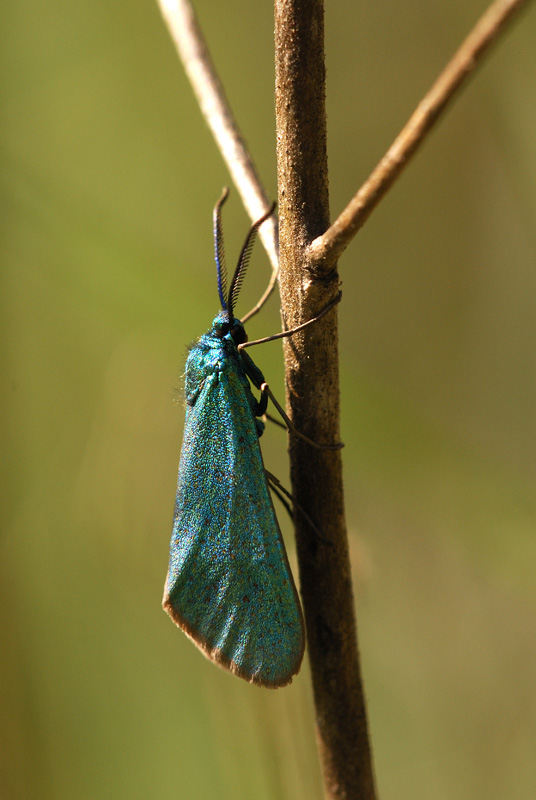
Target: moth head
pixel 222 327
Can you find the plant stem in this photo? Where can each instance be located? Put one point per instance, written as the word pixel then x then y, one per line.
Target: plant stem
pixel 313 400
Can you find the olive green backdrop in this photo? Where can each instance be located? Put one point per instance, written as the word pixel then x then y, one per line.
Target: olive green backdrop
pixel 108 177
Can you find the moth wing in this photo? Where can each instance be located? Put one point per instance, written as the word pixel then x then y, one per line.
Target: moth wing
pixel 229 584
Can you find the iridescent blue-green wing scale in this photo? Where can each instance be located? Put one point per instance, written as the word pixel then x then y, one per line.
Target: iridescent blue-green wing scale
pixel 229 584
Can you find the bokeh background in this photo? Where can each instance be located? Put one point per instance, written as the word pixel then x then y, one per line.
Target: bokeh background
pixel 108 180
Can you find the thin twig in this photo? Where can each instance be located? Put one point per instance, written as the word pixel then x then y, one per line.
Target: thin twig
pixel 193 52
pixel 328 247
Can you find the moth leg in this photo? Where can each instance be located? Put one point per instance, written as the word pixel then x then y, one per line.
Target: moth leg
pixel 267 393
pixel 281 335
pixel 280 496
pixel 257 378
pixel 262 405
pixel 275 421
pixel 278 489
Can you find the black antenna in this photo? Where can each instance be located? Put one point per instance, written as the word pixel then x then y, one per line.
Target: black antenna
pixel 243 261
pixel 219 252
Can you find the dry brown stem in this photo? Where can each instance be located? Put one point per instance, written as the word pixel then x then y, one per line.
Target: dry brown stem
pixel 311 359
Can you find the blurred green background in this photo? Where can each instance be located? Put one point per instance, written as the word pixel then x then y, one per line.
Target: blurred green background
pixel 109 176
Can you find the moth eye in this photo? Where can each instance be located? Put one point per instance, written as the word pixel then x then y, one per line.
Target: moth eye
pixel 239 334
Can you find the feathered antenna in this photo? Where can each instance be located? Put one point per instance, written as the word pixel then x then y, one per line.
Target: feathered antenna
pixel 243 262
pixel 219 252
